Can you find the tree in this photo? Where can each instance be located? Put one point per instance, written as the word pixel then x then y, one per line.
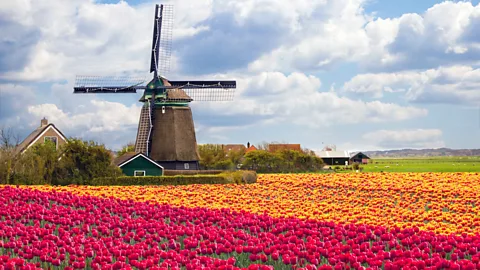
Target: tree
pixel 210 154
pixel 8 138
pixel 82 161
pixel 8 141
pixel 47 152
pixel 285 161
pixel 262 161
pixel 235 157
pixel 130 147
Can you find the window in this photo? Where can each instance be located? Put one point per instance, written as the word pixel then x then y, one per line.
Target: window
pixel 186 166
pixel 139 173
pixel 52 139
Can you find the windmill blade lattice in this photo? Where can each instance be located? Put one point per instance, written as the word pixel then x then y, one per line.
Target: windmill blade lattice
pixel 108 84
pixel 165 49
pixel 210 94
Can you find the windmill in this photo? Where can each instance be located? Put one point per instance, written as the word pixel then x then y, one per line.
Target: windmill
pixel 165 131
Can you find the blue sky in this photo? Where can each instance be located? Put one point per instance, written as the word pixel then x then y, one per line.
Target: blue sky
pixel 360 74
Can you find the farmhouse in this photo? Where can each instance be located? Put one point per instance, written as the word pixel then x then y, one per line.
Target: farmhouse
pixel 137 164
pixel 334 157
pixel 359 157
pixel 45 132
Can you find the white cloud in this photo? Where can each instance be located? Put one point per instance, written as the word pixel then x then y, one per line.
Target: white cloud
pixel 326 32
pixel 273 44
pixel 99 116
pixel 295 99
pixel 88 38
pixel 82 36
pixel 453 84
pixel 408 138
pixel 445 33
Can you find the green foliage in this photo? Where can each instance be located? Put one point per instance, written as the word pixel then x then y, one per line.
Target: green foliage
pixel 356 166
pixel 263 161
pixel 130 147
pixel 7 163
pixel 226 178
pixel 240 177
pixel 75 162
pixel 223 165
pixel 211 156
pixel 82 161
pixel 191 172
pixel 285 161
pixel 38 164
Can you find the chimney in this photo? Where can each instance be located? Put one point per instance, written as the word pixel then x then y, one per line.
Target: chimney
pixel 43 122
pixel 248 144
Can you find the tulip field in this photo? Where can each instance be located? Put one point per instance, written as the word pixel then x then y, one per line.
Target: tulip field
pixel 289 221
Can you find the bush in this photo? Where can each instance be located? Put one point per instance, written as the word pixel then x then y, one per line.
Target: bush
pixel 241 177
pixel 356 166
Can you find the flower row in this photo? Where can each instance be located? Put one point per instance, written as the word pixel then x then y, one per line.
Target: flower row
pixel 441 202
pixel 59 229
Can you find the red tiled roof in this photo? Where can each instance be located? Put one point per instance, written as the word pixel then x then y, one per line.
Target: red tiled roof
pixel 233 147
pixel 279 147
pixel 251 148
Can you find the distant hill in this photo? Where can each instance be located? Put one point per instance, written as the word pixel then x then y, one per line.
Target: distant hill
pixel 440 152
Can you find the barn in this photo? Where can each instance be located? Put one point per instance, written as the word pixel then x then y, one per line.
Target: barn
pixel 359 157
pixel 334 157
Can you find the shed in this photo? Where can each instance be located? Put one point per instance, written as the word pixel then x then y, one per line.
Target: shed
pixel 359 157
pixel 137 164
pixel 339 158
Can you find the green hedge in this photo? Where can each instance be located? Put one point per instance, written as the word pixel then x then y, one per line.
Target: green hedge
pixel 191 172
pixel 237 177
pixel 159 180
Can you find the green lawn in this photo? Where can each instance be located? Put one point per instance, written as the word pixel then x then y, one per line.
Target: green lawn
pixel 426 164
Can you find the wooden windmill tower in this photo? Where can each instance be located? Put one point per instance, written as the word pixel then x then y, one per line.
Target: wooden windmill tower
pixel 166 130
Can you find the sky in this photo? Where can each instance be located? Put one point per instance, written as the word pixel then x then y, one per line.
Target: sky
pixel 357 74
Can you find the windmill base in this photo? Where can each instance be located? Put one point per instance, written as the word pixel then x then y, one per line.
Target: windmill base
pixel 179 165
pixel 173 142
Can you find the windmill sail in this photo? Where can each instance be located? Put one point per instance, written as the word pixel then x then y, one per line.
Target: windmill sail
pixel 166 130
pixel 162 40
pixel 108 84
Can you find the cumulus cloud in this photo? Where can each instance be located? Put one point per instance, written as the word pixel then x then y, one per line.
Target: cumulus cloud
pixel 110 123
pixel 409 138
pixel 98 117
pixel 326 32
pixel 270 47
pixel 444 34
pixel 271 97
pixel 59 38
pixel 448 85
pixel 55 39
